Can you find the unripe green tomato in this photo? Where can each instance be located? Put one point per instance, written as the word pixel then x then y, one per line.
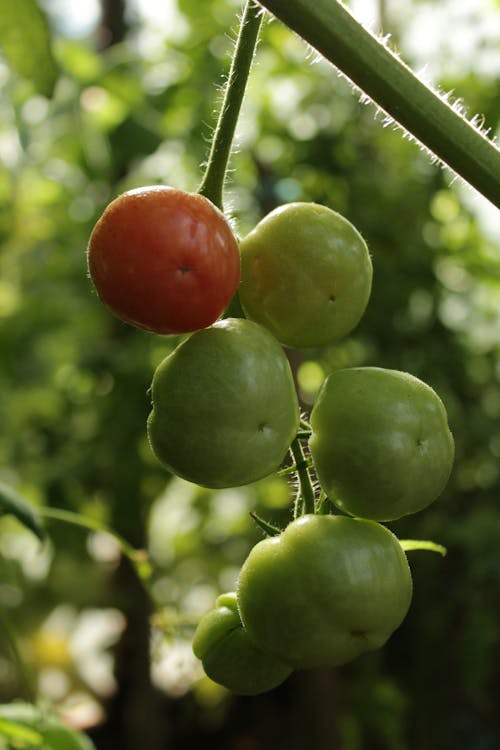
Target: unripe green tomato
pixel 228 655
pixel 324 591
pixel 306 274
pixel 225 409
pixel 380 442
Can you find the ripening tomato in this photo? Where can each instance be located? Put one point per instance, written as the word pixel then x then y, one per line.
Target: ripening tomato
pixel 224 406
pixel 228 655
pixel 164 260
pixel 306 274
pixel 324 591
pixel 380 442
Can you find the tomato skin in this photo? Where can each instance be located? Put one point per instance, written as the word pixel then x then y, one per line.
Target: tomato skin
pixel 228 655
pixel 164 260
pixel 225 409
pixel 306 274
pixel 324 591
pixel 380 442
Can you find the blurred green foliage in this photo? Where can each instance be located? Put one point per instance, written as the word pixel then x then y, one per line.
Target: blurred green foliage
pixel 73 394
pixel 25 727
pixel 25 43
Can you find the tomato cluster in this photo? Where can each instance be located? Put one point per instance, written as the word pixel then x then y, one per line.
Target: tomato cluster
pixel 225 412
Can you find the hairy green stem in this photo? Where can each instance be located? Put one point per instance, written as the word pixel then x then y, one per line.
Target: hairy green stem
pixel 304 434
pixel 323 506
pixel 213 181
pixel 293 468
pixel 331 30
pixel 305 497
pixel 269 529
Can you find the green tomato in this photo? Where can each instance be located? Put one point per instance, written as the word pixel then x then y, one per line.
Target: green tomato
pixel 228 655
pixel 225 408
pixel 306 274
pixel 324 591
pixel 380 442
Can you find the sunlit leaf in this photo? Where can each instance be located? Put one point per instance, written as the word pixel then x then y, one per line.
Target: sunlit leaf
pixel 30 727
pixel 26 44
pixel 79 60
pixel 23 736
pixel 12 504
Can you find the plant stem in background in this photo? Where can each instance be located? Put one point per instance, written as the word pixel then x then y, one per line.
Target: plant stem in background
pixel 213 181
pixel 137 558
pixel 10 636
pixel 331 30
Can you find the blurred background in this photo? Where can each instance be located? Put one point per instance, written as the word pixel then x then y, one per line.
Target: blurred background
pixel 134 102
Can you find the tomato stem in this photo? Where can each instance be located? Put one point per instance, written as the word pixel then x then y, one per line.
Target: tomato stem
pixel 304 502
pixel 323 505
pixel 292 469
pixel 212 184
pixel 304 434
pixel 438 123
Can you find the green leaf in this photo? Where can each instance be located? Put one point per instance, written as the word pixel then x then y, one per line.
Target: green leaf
pixel 24 736
pixel 33 727
pixel 268 528
pixel 26 44
pixel 13 504
pixel 410 544
pixel 79 60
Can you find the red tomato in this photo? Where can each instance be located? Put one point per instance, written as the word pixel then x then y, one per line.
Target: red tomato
pixel 164 260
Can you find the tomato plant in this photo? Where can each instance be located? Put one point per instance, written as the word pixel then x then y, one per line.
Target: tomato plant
pixel 306 274
pixel 164 260
pixel 230 657
pixel 324 591
pixel 225 408
pixel 381 442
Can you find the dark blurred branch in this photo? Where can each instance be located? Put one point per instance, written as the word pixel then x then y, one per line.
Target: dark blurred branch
pixel 112 28
pixel 9 635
